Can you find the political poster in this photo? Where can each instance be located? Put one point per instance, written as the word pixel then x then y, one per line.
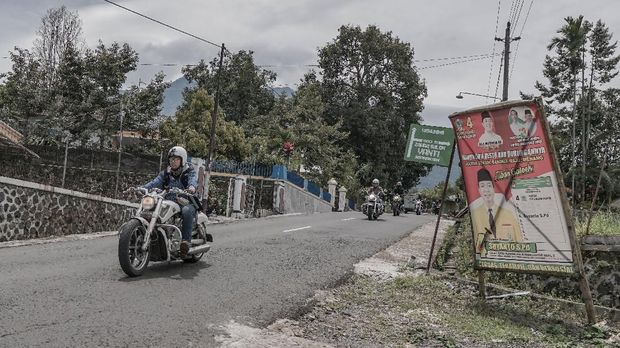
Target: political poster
pixel 518 220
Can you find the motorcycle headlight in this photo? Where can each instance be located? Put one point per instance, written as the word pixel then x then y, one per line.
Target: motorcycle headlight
pixel 148 203
pixel 371 197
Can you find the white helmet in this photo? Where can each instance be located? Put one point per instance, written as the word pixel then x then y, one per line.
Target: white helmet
pixel 375 182
pixel 178 151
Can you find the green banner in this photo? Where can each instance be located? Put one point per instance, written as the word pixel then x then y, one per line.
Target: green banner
pixel 429 144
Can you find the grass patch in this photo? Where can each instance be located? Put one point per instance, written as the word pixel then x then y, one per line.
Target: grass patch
pixel 444 312
pixel 606 223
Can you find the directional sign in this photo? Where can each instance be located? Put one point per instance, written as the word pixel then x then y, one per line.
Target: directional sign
pixel 429 144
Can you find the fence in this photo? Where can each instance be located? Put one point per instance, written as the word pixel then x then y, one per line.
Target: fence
pixel 295 179
pixel 244 168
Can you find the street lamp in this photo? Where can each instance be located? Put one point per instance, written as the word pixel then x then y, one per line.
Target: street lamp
pixel 460 95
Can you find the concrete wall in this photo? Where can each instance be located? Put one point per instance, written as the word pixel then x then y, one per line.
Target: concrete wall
pixel 31 210
pixel 288 198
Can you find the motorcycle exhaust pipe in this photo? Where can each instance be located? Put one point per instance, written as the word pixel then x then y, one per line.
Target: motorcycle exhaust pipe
pixel 199 249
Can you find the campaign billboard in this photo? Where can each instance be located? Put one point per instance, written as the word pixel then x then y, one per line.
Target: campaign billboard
pixel 518 219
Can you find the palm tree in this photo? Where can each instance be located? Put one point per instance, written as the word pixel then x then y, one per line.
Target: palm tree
pixel 571 44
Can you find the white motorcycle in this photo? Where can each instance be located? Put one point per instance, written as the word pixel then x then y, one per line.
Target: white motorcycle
pixel 154 233
pixel 373 207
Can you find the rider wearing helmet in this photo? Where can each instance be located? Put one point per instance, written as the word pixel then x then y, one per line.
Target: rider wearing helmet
pixel 376 189
pixel 399 189
pixel 182 175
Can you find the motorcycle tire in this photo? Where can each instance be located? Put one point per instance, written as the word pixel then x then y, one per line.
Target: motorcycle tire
pixel 131 234
pixel 369 216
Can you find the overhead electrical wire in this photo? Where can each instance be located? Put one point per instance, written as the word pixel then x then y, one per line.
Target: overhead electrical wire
pixel 516 22
pixel 457 62
pixel 518 42
pixel 499 3
pixel 499 75
pixel 164 24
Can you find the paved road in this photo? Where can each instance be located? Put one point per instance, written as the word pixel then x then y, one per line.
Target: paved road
pixel 75 294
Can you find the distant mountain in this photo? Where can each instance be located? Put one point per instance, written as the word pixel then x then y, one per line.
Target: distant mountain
pixel 173 95
pixel 285 91
pixel 438 174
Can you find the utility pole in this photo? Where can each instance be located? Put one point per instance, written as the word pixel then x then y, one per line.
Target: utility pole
pixel 507 40
pixel 205 195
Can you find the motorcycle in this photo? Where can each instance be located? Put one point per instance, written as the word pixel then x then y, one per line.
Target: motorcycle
pixel 418 208
pixel 396 204
pixel 373 207
pixel 154 233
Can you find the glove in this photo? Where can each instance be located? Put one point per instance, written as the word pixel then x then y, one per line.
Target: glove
pixel 191 190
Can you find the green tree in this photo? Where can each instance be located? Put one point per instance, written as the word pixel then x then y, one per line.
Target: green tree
pixel 60 30
pixel 245 86
pixel 300 120
pixel 372 90
pixel 191 126
pixel 105 72
pixel 585 56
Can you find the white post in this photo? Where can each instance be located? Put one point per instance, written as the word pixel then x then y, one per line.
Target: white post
pixel 342 198
pixel 331 187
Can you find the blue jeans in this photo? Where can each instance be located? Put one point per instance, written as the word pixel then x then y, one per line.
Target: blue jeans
pixel 189 214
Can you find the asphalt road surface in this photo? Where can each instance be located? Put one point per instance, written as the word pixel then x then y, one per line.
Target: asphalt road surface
pixel 75 293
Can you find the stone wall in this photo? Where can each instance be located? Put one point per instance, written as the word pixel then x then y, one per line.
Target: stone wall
pixel 31 210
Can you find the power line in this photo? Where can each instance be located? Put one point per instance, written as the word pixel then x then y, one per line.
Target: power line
pixel 451 58
pixel 499 75
pixel 516 22
pixel 499 3
pixel 453 63
pixel 517 48
pixel 164 24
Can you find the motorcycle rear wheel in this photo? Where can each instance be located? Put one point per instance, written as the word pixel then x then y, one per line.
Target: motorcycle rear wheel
pixel 132 258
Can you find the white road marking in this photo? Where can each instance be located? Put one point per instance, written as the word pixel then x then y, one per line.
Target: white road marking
pixel 297 229
pixel 347 219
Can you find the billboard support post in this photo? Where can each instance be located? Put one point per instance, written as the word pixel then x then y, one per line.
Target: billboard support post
pixel 443 198
pixel 584 285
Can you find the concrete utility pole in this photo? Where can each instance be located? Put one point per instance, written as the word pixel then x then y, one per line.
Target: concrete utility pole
pixel 205 195
pixel 507 40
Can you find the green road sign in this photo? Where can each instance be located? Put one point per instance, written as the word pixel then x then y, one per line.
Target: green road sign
pixel 429 144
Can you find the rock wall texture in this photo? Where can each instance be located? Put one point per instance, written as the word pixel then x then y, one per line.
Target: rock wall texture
pixel 30 210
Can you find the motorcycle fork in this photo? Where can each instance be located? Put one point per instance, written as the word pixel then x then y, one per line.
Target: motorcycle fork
pixel 149 230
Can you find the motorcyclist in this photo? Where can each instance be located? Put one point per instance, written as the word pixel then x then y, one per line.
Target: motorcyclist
pixel 182 175
pixel 398 189
pixel 376 189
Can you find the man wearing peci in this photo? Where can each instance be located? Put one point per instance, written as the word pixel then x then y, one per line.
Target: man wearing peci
pixel 489 139
pixel 491 215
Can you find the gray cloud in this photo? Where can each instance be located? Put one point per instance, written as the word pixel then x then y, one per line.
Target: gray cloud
pixel 289 33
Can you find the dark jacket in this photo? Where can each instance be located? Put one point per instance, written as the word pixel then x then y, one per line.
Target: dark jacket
pixel 166 179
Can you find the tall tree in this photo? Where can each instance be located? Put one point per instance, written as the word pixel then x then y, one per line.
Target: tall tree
pixel 244 85
pixel 374 92
pixel 585 55
pixel 191 128
pixel 106 69
pixel 317 145
pixel 60 30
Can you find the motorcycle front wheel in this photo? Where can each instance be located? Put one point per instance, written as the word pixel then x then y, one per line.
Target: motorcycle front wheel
pixel 369 214
pixel 132 258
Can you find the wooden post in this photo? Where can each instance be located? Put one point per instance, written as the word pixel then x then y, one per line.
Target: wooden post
pixel 584 286
pixel 482 288
pixel 443 198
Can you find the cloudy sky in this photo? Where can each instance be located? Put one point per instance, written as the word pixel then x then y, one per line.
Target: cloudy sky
pixel 286 35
